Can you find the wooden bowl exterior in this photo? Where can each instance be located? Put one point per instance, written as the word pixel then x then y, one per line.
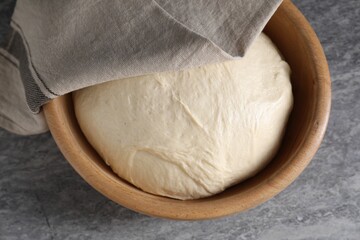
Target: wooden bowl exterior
pixel 307 124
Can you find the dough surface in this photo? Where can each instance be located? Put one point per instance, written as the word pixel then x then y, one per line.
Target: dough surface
pixel 192 133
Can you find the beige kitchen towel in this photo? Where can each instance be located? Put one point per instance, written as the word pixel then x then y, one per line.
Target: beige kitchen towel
pixel 56 47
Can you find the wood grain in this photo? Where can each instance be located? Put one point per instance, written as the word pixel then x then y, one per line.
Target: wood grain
pixel 301 48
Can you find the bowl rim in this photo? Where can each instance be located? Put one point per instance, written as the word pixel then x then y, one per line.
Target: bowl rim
pixel 137 200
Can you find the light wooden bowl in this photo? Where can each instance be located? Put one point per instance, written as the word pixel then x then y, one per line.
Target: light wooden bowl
pixel 311 87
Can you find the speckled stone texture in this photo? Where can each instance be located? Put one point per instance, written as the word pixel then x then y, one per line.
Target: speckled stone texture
pixel 41 196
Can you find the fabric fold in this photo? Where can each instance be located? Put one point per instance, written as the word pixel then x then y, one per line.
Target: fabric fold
pixel 64 46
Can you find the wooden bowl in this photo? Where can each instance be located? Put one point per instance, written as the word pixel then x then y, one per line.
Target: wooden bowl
pixel 298 43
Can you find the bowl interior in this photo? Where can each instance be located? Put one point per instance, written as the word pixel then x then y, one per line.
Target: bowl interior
pixel 310 79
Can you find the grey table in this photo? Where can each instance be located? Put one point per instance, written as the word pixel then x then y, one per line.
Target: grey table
pixel 42 197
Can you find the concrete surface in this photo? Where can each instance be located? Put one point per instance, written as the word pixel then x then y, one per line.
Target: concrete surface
pixel 41 196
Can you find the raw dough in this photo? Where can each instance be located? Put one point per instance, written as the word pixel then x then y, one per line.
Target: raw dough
pixel 191 134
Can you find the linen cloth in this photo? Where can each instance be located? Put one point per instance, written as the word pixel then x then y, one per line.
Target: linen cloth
pixel 56 47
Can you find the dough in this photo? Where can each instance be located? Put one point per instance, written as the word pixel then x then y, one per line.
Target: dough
pixel 191 134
